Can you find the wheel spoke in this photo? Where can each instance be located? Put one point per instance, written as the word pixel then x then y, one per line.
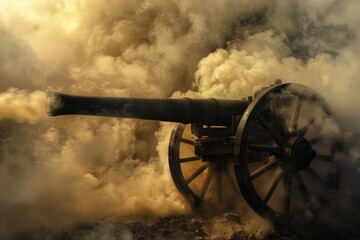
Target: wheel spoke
pixel 218 184
pixel 264 169
pixel 196 174
pixel 303 130
pixel 295 117
pixel 273 187
pixel 280 119
pixel 187 141
pixel 315 176
pixel 273 149
pixel 316 140
pixel 231 181
pixel 207 182
pixel 288 183
pixel 190 159
pixel 304 192
pixel 272 131
pixel 323 158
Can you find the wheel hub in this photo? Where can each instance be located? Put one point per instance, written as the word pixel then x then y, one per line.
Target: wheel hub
pixel 298 153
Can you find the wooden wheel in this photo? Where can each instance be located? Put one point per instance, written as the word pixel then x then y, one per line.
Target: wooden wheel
pixel 199 180
pixel 286 150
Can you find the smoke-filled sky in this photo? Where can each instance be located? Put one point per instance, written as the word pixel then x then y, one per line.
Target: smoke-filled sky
pixel 56 172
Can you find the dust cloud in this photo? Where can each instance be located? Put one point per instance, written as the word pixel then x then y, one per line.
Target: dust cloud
pixel 55 172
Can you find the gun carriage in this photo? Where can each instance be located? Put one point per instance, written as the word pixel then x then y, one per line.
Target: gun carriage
pixel 275 148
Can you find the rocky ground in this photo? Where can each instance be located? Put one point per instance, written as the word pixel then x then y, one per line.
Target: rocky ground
pixel 224 226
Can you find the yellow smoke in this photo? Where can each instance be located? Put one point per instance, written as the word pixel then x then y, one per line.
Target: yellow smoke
pixel 22 106
pixel 67 170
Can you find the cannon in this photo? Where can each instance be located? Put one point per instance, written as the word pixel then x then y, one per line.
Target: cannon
pixel 278 149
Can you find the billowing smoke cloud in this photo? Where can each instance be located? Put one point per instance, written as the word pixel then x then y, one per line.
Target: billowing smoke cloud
pixel 72 169
pixel 22 106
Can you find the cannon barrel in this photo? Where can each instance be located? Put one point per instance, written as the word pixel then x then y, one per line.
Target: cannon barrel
pixel 201 111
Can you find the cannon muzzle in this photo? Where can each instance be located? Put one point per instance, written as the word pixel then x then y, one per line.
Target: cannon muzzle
pixel 200 111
